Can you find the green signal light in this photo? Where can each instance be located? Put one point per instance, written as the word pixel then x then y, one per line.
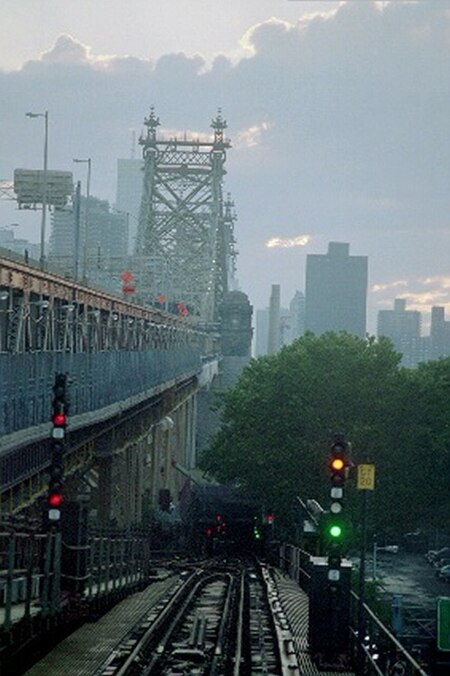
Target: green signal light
pixel 335 531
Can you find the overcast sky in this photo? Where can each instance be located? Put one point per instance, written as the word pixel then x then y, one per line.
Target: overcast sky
pixel 338 114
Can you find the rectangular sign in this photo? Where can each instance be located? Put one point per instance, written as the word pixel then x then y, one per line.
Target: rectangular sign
pixel 443 622
pixel 365 478
pixel 30 185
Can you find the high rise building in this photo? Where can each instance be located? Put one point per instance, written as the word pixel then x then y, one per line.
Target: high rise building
pixel 296 316
pixel 336 291
pixel 274 338
pixel 130 176
pixel 403 328
pixel 22 247
pixel 106 243
pixel 262 332
pixel 439 333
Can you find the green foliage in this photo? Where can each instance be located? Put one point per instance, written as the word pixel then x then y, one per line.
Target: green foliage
pixel 278 421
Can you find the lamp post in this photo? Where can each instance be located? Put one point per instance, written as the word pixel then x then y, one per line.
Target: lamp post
pixel 87 161
pixel 44 196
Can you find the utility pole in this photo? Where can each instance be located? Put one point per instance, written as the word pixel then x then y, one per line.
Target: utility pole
pixel 76 253
pixel 365 482
pixel 88 161
pixel 45 187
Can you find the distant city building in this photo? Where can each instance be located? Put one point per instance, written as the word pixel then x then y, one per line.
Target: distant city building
pixel 336 291
pixel 106 246
pixel 296 316
pixel 262 332
pixel 403 328
pixel 439 333
pixel 273 339
pixel 22 247
pixel 291 324
pixel 130 176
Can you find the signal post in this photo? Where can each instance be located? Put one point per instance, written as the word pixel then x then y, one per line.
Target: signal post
pixel 51 589
pixel 329 606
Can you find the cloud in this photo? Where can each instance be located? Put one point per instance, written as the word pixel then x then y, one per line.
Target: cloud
pixel 252 136
pixel 68 50
pixel 376 288
pixel 344 116
pixel 440 280
pixel 421 294
pixel 287 243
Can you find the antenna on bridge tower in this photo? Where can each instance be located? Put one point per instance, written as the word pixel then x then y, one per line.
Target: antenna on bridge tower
pixel 219 125
pixel 152 123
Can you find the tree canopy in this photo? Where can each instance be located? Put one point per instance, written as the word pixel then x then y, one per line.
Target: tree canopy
pixel 278 422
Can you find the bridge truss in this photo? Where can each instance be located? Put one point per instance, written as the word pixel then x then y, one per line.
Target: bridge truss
pixel 185 246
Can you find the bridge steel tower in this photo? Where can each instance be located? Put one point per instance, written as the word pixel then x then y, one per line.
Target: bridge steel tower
pixel 185 245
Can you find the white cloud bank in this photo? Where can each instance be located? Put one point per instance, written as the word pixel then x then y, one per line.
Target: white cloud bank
pixel 340 119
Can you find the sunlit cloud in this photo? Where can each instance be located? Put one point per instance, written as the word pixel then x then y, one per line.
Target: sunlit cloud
pixel 251 136
pixel 440 280
pixel 287 243
pixel 184 134
pixel 420 294
pixel 376 288
pixel 247 41
pixel 424 300
pixel 69 50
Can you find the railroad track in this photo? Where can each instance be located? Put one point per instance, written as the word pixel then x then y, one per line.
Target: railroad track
pixel 222 618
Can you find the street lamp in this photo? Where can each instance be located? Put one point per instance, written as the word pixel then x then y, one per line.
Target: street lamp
pixel 88 161
pixel 44 196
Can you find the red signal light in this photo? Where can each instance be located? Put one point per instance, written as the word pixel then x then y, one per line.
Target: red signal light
pixel 55 500
pixel 218 518
pixel 270 518
pixel 59 419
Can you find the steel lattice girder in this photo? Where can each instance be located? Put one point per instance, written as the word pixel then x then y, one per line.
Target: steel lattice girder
pixel 184 245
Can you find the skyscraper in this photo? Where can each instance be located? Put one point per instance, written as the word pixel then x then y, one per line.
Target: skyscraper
pixel 403 328
pixel 130 176
pixel 296 316
pixel 273 341
pixel 106 243
pixel 440 333
pixel 336 291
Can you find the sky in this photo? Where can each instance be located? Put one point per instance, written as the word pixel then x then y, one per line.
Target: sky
pixel 338 114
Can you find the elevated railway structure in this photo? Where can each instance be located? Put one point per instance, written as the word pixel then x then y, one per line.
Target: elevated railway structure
pixel 135 363
pixel 131 367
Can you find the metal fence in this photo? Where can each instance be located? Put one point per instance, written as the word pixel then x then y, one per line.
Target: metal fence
pixel 98 379
pixel 379 653
pixel 33 576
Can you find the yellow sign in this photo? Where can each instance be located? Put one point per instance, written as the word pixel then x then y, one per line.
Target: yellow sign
pixel 366 478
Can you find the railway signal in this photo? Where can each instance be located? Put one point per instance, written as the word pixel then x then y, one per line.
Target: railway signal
pixel 335 524
pixel 60 410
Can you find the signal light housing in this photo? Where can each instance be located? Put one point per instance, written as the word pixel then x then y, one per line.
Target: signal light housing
pixel 55 499
pixel 337 464
pixel 59 420
pixel 335 530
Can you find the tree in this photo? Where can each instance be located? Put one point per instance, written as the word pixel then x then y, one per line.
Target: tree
pixel 277 421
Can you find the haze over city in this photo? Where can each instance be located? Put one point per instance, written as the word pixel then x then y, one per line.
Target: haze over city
pixel 337 111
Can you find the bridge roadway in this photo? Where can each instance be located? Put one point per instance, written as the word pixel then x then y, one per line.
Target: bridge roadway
pixel 134 371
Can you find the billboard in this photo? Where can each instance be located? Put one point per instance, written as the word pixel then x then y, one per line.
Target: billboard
pixel 29 187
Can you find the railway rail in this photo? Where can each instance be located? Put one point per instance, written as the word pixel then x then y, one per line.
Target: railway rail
pixel 221 618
